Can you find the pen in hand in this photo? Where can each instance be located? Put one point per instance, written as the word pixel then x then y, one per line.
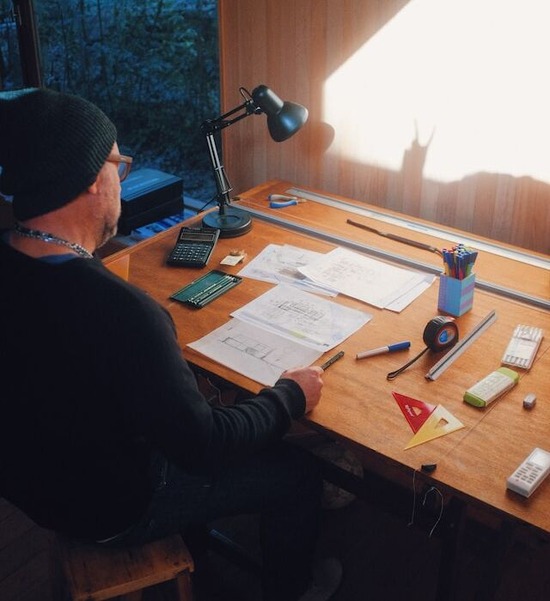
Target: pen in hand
pixel 332 360
pixel 390 348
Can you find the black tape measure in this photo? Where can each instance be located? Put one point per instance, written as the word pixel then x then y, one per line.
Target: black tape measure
pixel 440 333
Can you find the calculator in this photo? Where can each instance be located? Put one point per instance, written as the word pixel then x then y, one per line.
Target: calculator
pixel 530 474
pixel 193 247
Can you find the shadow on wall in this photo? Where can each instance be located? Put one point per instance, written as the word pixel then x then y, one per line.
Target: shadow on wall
pixel 500 206
pixel 505 208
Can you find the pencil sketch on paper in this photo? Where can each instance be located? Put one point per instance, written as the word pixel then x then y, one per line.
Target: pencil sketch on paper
pixel 280 264
pixel 248 346
pixel 253 351
pixel 374 282
pixel 281 329
pixel 302 316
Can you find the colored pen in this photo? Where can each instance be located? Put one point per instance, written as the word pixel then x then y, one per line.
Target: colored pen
pixel 458 261
pixel 391 348
pixel 332 360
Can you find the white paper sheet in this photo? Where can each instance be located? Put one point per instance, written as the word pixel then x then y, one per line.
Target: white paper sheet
pixel 374 282
pixel 303 317
pixel 280 264
pixel 253 351
pixel 399 303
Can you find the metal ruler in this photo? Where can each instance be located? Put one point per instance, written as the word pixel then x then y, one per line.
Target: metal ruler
pixel 416 264
pixel 461 346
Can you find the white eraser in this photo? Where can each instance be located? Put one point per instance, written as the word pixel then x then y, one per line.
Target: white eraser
pixel 529 400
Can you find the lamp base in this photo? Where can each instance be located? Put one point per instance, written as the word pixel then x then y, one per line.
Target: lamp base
pixel 231 224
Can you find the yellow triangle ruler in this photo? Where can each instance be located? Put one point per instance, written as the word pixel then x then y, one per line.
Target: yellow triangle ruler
pixel 439 423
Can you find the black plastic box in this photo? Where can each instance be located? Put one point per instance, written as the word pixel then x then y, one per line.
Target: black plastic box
pixel 149 195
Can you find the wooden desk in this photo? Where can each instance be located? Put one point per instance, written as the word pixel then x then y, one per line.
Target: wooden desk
pixel 494 269
pixel 357 404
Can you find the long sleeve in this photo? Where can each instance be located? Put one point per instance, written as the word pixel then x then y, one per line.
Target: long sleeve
pixel 168 409
pixel 101 383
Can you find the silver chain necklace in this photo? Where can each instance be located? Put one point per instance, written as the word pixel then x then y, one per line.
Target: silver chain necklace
pixel 50 238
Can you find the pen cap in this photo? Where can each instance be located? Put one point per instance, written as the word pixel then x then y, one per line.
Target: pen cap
pixel 399 346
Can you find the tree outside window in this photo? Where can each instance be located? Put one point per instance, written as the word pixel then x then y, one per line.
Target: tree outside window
pixel 10 64
pixel 151 65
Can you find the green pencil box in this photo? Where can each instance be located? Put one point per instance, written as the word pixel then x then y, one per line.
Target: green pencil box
pixel 205 289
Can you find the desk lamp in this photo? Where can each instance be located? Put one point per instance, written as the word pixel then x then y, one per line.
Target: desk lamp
pixel 284 119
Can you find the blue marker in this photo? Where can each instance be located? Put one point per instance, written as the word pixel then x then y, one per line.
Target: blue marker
pixel 391 348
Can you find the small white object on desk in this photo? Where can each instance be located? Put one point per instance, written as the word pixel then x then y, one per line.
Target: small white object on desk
pixel 530 474
pixel 491 387
pixel 529 400
pixel 522 347
pixel 233 258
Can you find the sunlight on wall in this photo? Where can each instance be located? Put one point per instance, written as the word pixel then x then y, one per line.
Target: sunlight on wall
pixel 469 79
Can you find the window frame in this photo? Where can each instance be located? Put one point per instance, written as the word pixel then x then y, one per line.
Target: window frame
pixel 29 48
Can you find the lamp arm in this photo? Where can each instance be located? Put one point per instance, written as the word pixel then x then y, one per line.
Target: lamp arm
pixel 221 122
pixel 283 120
pixel 210 128
pixel 222 182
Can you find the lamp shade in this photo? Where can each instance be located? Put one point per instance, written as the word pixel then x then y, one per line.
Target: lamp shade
pixel 284 119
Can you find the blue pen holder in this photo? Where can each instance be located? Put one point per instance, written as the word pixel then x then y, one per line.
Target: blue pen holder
pixel 456 297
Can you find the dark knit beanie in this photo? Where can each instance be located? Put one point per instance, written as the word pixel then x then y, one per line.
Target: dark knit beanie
pixel 52 146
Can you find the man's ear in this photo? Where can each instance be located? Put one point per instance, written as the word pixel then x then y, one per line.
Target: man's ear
pixel 93 188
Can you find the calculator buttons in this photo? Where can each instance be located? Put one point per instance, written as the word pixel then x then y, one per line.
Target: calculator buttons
pixel 193 247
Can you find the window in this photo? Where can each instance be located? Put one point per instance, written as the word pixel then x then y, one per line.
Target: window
pixel 11 75
pixel 152 66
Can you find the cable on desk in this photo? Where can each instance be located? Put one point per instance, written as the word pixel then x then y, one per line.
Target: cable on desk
pixel 413 511
pixel 434 489
pixel 394 374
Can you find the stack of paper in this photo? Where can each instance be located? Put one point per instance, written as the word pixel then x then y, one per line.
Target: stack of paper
pixel 282 329
pixel 374 282
pixel 281 264
pixel 289 327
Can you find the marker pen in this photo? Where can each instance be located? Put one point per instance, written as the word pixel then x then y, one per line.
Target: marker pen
pixel 391 348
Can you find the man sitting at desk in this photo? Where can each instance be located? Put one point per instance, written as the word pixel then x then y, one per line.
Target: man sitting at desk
pixel 104 434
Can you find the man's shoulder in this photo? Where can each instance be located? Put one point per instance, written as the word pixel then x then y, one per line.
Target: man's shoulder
pixel 100 279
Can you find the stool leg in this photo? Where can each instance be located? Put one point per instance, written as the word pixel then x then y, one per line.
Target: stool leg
pixel 184 587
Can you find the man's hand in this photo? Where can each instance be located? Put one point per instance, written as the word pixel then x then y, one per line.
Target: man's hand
pixel 309 380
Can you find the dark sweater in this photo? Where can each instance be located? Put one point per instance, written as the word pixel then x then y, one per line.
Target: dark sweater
pixel 93 382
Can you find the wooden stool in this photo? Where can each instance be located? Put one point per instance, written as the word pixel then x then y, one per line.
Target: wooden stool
pixel 96 573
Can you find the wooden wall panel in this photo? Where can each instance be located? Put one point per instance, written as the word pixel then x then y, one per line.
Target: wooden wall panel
pixel 293 46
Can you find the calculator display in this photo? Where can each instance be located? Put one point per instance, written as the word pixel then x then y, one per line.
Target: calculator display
pixel 539 457
pixel 198 236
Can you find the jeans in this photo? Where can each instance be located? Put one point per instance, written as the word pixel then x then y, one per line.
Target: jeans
pixel 282 484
